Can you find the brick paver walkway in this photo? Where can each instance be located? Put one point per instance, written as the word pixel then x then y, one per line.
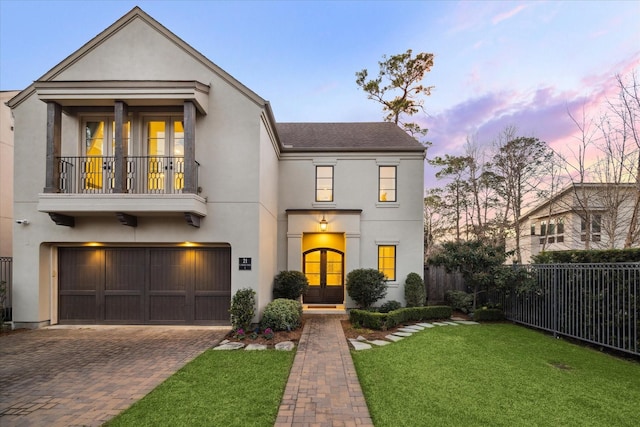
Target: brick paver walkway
pixel 323 389
pixel 84 377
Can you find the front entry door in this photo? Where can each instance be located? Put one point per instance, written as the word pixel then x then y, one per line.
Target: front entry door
pixel 324 269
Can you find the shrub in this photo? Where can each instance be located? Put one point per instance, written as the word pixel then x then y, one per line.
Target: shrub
pixel 459 300
pixel 282 314
pixel 290 285
pixel 414 292
pixel 389 306
pixel 488 314
pixel 242 308
pixel 366 286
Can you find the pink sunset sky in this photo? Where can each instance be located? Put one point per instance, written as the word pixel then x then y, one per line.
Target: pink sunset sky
pixel 497 64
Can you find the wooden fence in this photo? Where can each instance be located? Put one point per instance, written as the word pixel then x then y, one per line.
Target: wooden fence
pixel 438 282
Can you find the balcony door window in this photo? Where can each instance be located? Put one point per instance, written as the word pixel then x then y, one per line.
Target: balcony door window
pixel 98 151
pixel 165 151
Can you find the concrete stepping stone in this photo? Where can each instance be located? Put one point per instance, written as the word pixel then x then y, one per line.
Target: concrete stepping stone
pixel 407 330
pixel 256 347
pixel 359 345
pixel 451 323
pixel 285 346
pixel 402 334
pixel 361 338
pixel 426 325
pixel 440 324
pixel 379 343
pixel 467 322
pixel 415 327
pixel 229 346
pixel 393 338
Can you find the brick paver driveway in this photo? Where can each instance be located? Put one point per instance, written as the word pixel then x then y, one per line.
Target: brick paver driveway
pixel 85 376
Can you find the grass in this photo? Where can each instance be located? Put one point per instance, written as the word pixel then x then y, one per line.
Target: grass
pixel 496 375
pixel 219 388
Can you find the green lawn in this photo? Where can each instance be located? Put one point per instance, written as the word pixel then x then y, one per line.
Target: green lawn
pixel 219 388
pixel 496 375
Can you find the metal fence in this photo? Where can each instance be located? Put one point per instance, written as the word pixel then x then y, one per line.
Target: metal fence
pixel 6 276
pixel 595 303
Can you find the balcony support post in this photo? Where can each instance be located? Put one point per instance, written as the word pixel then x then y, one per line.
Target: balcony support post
pixel 54 147
pixel 121 147
pixel 190 170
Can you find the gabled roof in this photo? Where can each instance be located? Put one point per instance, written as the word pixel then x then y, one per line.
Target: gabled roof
pixel 372 136
pixel 592 187
pixel 133 14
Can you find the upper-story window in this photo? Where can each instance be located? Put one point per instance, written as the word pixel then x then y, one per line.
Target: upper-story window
pixel 165 151
pixel 387 184
pixel 595 228
pixel 533 229
pixel 98 146
pixel 324 183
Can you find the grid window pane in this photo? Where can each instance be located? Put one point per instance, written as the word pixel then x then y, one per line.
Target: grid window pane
pixel 387 184
pixel 387 261
pixel 324 183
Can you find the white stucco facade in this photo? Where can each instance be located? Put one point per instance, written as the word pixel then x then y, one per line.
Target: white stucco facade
pixel 253 196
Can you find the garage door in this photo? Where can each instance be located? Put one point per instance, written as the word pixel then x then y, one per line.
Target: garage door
pixel 144 285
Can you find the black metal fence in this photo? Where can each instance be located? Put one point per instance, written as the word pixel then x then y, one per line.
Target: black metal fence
pixel 6 277
pixel 595 303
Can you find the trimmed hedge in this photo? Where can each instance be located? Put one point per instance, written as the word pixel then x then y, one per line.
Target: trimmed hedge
pixel 488 314
pixel 587 257
pixel 384 321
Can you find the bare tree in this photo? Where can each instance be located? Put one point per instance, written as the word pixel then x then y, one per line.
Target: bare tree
pixel 520 162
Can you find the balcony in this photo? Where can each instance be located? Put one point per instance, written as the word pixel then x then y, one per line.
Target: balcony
pixel 152 185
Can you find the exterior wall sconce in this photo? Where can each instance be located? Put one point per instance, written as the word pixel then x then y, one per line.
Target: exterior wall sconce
pixel 323 224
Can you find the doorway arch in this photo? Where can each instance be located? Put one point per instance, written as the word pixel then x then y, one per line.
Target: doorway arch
pixel 324 269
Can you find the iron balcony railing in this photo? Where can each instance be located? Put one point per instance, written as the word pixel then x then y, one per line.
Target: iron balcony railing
pixel 145 174
pixel 595 303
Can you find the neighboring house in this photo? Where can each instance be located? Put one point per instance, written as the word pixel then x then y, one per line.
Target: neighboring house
pixel 581 216
pixel 156 185
pixel 6 174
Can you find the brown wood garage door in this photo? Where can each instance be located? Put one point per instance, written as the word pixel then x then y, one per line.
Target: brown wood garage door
pixel 144 285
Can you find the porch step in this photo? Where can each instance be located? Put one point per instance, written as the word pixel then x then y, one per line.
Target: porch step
pixel 324 309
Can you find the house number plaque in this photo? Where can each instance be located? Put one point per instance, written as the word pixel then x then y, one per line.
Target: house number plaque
pixel 245 263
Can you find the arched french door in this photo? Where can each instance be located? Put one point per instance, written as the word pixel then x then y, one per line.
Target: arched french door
pixel 324 268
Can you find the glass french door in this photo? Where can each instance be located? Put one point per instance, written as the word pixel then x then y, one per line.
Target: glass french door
pixel 165 151
pixel 324 269
pixel 97 163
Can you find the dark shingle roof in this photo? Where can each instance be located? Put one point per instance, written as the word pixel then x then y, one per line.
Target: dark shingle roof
pixel 379 136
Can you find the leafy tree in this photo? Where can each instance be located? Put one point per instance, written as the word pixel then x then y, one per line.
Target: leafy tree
pixel 521 163
pixel 477 261
pixel 397 87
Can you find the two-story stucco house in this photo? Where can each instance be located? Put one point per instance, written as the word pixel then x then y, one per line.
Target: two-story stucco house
pixel 580 216
pixel 156 185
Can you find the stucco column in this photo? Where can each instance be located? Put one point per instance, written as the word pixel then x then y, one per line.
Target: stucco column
pixel 352 261
pixel 294 251
pixel 54 147
pixel 190 168
pixel 121 147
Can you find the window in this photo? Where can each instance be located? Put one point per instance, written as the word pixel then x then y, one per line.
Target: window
pixel 560 224
pixel 165 148
pixel 552 227
pixel 533 229
pixel 387 261
pixel 595 229
pixel 97 168
pixel 387 184
pixel 543 228
pixel 324 183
